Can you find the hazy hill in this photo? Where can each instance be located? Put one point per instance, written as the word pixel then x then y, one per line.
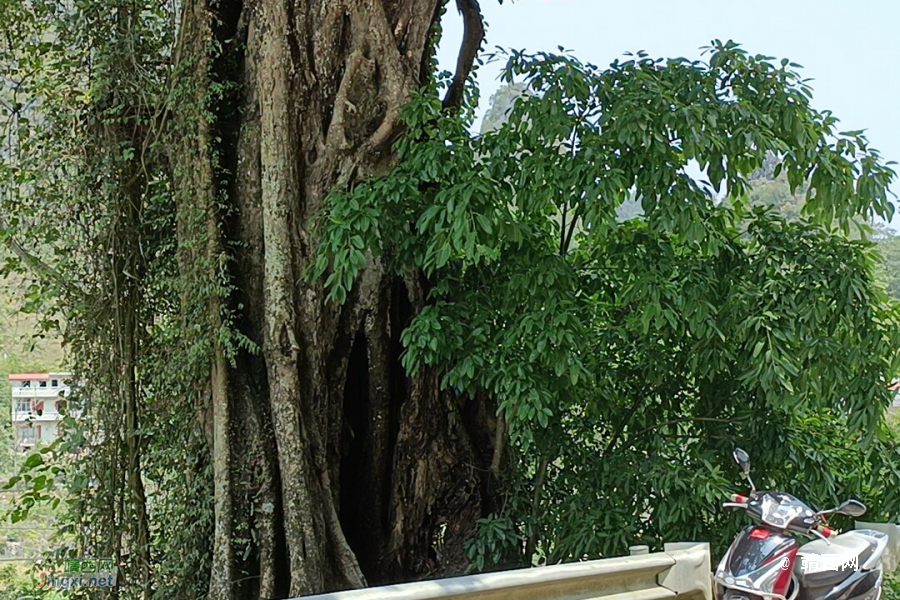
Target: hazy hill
pixel 17 330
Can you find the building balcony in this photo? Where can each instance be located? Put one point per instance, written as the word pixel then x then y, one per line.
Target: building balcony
pixel 39 392
pixel 22 416
pixel 26 411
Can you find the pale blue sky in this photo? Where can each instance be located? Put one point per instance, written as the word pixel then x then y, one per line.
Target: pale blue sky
pixel 851 49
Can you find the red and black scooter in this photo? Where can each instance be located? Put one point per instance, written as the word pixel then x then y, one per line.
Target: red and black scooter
pixel 767 562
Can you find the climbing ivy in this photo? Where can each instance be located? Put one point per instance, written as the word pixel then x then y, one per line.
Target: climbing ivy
pixel 88 208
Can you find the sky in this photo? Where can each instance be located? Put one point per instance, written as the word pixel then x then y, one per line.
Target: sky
pixel 850 48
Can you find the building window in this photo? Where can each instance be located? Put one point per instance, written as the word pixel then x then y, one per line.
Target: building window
pixel 54 383
pixel 26 384
pixel 23 405
pixel 43 384
pixel 26 435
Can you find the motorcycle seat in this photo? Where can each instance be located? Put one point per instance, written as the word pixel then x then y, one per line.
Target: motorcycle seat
pixel 820 556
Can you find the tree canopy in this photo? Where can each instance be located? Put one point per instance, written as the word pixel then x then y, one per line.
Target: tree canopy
pixel 629 357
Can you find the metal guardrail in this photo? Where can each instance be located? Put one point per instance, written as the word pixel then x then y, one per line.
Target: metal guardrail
pixel 891 558
pixel 681 572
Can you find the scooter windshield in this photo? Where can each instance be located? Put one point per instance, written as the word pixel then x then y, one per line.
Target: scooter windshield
pixel 779 510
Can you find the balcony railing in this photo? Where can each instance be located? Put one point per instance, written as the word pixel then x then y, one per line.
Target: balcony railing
pixel 48 414
pixel 39 392
pixel 30 415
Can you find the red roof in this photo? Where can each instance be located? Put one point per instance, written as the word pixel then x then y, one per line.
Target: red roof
pixel 29 376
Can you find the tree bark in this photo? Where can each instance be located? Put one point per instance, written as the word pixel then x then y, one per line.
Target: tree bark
pixel 365 476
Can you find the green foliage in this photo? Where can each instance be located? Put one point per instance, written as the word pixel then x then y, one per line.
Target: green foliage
pixel 891 590
pixel 18 583
pixel 497 540
pixel 629 356
pixel 87 206
pixel 767 190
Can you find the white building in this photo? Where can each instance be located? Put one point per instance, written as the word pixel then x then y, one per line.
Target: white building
pixel 36 402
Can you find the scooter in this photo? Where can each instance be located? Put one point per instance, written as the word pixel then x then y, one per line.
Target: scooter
pixel 766 562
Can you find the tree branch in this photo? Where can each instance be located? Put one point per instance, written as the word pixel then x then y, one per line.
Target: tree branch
pixel 562 231
pixel 531 542
pixel 334 136
pixel 37 266
pixel 370 16
pixel 575 217
pixel 500 441
pixel 623 423
pixel 566 239
pixel 473 35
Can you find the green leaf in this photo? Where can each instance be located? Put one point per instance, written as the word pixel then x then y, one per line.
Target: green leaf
pixel 33 460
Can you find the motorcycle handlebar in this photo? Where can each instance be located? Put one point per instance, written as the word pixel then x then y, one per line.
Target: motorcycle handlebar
pixel 737 501
pixel 740 501
pixel 826 532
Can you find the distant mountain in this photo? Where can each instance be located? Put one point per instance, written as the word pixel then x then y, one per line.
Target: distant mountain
pixel 502 102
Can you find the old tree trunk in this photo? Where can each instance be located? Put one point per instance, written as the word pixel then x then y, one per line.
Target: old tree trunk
pixel 349 472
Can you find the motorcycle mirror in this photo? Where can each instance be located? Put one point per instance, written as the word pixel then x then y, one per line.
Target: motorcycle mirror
pixel 743 459
pixel 851 508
